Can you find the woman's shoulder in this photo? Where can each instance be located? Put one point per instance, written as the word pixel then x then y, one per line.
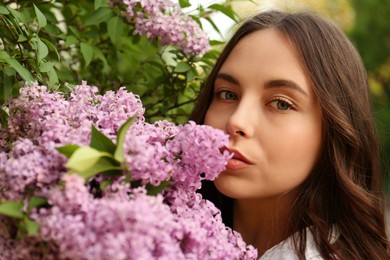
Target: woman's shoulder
pixel 285 250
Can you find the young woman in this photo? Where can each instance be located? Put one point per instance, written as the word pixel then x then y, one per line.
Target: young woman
pixel 304 182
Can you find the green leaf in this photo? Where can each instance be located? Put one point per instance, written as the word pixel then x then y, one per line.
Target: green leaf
pixel 182 67
pixel 99 55
pixel 120 138
pixel 18 15
pixel 101 3
pixel 24 73
pixel 116 172
pixel 11 209
pixel 22 38
pixel 197 20
pixel 41 18
pixel 46 66
pixel 135 39
pixel 52 29
pixel 154 190
pixel 128 180
pixel 68 150
pixel 75 31
pixel 214 43
pixel 31 226
pixel 101 142
pixel 191 74
pixel 87 52
pixel 6 91
pixel 115 27
pixel 102 165
pixel 53 78
pixel 51 45
pixel 3 10
pixel 9 71
pixel 156 64
pixel 83 158
pixel 225 10
pixel 215 27
pixel 42 49
pixel 100 15
pixel 70 40
pixel 36 202
pixel 184 3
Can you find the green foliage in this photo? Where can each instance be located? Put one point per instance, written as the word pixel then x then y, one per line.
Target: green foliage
pixel 58 42
pixel 371 36
pixel 11 209
pixel 15 210
pixel 118 153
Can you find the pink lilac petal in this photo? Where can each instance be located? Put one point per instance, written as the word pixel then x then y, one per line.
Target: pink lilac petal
pixel 164 19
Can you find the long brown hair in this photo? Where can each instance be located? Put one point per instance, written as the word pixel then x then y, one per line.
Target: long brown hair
pixel 343 194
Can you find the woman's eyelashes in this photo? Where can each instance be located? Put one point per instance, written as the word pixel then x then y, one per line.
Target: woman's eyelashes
pixel 281 104
pixel 225 94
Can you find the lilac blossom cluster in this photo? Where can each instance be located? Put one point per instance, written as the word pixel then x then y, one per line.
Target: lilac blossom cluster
pixel 40 121
pixel 83 219
pixel 165 20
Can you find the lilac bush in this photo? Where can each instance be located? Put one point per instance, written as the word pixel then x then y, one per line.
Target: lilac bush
pixel 80 180
pixel 164 19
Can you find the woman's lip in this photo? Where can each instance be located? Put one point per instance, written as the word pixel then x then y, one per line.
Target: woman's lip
pixel 236 164
pixel 238 156
pixel 238 161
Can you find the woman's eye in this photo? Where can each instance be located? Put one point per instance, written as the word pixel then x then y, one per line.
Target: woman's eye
pixel 282 104
pixel 226 95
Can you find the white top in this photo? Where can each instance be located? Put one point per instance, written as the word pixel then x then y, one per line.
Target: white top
pixel 285 250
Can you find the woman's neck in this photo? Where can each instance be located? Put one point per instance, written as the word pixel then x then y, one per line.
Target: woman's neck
pixel 262 223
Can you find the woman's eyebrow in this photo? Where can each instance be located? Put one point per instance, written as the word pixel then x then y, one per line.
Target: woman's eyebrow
pixel 228 77
pixel 278 83
pixel 282 83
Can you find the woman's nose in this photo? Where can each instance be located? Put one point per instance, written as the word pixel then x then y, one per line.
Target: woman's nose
pixel 242 122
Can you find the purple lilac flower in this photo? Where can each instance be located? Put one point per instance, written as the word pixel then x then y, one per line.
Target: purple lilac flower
pixel 154 154
pixel 114 227
pixel 145 160
pixel 53 119
pixel 159 131
pixel 28 166
pixel 29 111
pixel 196 151
pixel 195 213
pixel 41 120
pixel 146 153
pixel 165 20
pixel 117 221
pixel 114 108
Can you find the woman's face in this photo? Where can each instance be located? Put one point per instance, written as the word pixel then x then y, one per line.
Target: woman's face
pixel 263 99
